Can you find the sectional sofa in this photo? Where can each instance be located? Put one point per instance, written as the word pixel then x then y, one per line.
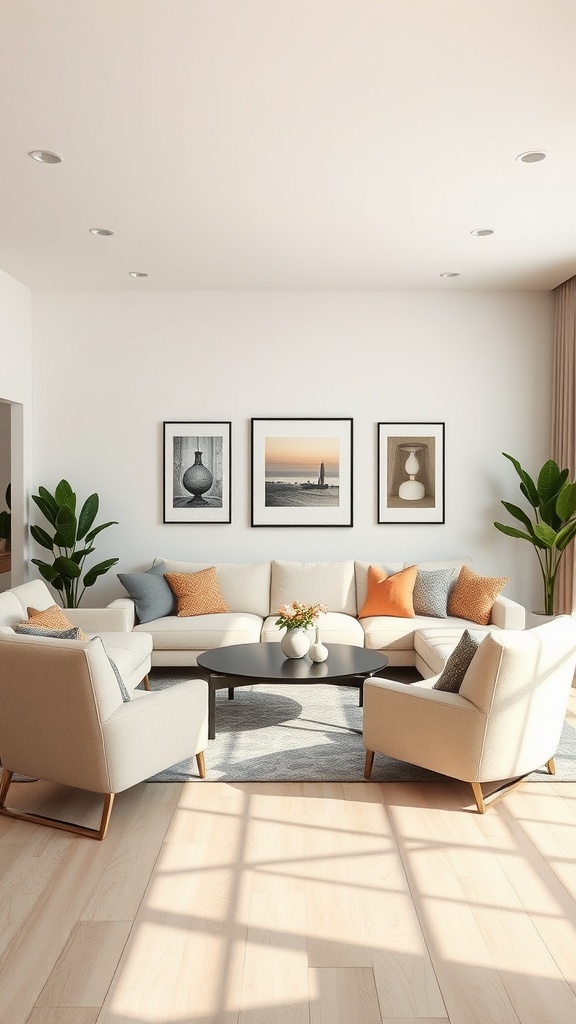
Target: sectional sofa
pixel 253 593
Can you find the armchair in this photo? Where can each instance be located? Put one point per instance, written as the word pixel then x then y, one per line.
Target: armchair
pixel 504 723
pixel 63 720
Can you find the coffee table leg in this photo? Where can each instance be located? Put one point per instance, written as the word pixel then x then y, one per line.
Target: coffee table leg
pixel 211 708
pixel 230 693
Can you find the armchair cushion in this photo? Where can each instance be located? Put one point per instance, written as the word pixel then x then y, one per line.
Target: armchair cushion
pixel 57 634
pixel 457 665
pixel 49 618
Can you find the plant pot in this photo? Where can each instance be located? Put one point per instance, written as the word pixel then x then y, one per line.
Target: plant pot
pixel 534 619
pixel 295 643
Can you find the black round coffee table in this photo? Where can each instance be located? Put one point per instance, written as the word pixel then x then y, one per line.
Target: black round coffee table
pixel 244 664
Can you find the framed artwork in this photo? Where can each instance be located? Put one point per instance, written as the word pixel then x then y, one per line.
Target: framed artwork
pixel 197 472
pixel 410 472
pixel 301 472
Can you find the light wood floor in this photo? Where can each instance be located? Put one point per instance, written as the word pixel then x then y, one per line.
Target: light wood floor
pixel 216 903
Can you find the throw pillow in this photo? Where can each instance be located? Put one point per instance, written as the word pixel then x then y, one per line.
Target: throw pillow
pixel 197 593
pixel 431 592
pixel 50 618
pixel 456 667
pixel 151 593
pixel 59 634
pixel 473 596
pixel 390 595
pixel 121 684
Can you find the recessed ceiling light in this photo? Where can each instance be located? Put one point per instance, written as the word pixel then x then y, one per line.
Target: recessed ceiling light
pixel 137 273
pixel 102 232
pixel 450 273
pixel 532 156
pixel 482 231
pixel 45 156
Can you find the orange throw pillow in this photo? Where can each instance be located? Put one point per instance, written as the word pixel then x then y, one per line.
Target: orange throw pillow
pixel 473 596
pixel 50 618
pixel 197 593
pixel 390 595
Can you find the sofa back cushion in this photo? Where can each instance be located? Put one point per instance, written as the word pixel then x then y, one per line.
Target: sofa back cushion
pixel 11 611
pixel 34 594
pixel 329 583
pixel 245 586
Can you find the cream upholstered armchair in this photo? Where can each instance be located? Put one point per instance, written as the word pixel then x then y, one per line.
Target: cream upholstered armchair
pixel 63 720
pixel 505 721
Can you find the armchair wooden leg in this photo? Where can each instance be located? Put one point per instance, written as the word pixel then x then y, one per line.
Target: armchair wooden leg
pixel 368 764
pixel 551 766
pixel 146 682
pixel 201 764
pixel 41 819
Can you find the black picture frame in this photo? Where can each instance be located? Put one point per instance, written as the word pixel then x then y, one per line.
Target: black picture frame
pixel 197 471
pixel 411 473
pixel 302 471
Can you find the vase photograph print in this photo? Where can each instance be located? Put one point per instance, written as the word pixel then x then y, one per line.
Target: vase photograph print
pixel 410 472
pixel 301 472
pixel 197 472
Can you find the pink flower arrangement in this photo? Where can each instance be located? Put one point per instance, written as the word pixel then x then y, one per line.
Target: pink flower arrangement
pixel 299 615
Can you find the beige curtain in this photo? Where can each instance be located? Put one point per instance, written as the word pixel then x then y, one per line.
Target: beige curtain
pixel 564 420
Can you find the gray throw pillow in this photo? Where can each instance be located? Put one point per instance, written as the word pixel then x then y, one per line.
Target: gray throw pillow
pixel 58 634
pixel 430 595
pixel 457 665
pixel 152 596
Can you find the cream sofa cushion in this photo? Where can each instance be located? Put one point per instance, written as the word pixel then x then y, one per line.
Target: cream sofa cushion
pixel 329 583
pixel 245 586
pixel 202 632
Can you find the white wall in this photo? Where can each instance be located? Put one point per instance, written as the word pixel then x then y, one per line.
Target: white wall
pixel 15 387
pixel 109 368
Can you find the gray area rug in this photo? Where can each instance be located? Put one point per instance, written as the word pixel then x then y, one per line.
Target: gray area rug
pixel 273 733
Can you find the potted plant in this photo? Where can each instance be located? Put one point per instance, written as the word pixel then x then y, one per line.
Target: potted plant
pixel 6 524
pixel 69 530
pixel 551 524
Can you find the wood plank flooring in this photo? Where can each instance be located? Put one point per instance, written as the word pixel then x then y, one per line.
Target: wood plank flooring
pixel 357 903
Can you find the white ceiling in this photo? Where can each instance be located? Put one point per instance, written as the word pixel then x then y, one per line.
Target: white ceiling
pixel 288 144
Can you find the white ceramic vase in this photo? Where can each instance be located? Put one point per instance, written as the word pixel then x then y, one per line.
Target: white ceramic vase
pixel 318 652
pixel 295 643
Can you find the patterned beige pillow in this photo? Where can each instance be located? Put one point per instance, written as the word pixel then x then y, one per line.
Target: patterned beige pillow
pixel 197 593
pixel 473 596
pixel 50 618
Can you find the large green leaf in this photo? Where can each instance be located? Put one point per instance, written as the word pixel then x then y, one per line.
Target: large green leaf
pixel 549 480
pixel 42 538
pixel 528 487
pixel 66 525
pixel 77 556
pixel 98 570
pixel 566 535
pixel 93 533
pixel 566 502
pixel 546 534
pixel 45 494
pixel 518 513
pixel 48 572
pixel 64 495
pixel 66 567
pixel 549 515
pixel 88 514
pixel 518 535
pixel 47 509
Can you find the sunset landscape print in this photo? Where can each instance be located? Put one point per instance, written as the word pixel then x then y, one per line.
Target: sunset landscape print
pixel 302 471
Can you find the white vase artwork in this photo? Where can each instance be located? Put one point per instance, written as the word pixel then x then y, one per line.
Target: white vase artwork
pixel 295 643
pixel 318 651
pixel 412 489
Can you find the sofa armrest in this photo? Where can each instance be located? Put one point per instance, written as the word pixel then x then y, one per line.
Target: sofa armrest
pixel 508 614
pixel 113 619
